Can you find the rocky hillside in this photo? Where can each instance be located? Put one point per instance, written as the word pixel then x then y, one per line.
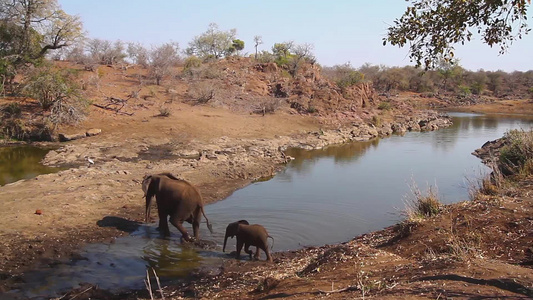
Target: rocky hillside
pixel 238 84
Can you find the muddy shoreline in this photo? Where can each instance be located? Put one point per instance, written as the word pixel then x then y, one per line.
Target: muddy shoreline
pixel 110 187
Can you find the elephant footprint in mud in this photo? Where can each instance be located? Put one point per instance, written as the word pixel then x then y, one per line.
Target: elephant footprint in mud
pixel 249 235
pixel 177 199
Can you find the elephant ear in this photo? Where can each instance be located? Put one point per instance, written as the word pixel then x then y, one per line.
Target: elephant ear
pixel 146 182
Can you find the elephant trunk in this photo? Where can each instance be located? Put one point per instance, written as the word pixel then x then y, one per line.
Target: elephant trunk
pixel 147 181
pixel 148 206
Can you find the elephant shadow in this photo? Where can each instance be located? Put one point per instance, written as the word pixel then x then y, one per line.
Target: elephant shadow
pixel 119 223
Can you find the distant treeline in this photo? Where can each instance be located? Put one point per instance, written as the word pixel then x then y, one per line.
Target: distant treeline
pixel 448 79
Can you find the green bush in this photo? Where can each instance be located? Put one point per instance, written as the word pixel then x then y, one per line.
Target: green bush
pixel 384 106
pixel 57 91
pixel 311 109
pixel 464 91
pixel 349 79
pixel 192 62
pixel 477 88
pixel 265 57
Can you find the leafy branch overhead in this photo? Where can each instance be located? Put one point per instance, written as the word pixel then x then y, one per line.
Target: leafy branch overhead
pixel 432 28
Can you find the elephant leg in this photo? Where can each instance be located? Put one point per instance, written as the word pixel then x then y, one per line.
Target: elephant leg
pixel 267 252
pixel 195 221
pixel 256 256
pixel 163 224
pixel 239 248
pixel 179 224
pixel 247 250
pixel 196 228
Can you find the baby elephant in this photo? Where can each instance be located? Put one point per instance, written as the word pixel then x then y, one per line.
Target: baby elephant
pixel 249 235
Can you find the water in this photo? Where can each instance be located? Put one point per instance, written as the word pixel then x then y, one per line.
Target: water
pixel 332 195
pixel 322 197
pixel 118 266
pixel 22 162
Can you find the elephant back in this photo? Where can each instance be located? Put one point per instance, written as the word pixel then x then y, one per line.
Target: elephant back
pixel 181 188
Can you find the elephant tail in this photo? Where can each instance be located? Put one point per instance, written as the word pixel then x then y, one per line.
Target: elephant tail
pixel 207 221
pixel 272 246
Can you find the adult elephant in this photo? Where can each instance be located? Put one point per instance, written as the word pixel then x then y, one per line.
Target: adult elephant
pixel 248 235
pixel 177 199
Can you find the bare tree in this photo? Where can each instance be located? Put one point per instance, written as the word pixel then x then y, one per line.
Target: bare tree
pixel 138 54
pixel 258 40
pixel 105 52
pixel 162 59
pixel 302 53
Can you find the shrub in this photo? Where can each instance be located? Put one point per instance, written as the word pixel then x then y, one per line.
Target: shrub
pixel 14 128
pixel 58 92
pixel 202 92
pixel 192 62
pixel 384 106
pixel 517 155
pixel 464 91
pixel 376 120
pixel 311 109
pixel 204 71
pixel 164 111
pixel 477 88
pixel 421 205
pixel 268 106
pixel 265 57
pixel 11 110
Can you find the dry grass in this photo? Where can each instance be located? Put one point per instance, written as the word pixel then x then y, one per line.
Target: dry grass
pixel 486 185
pixel 465 244
pixel 420 205
pixel 164 111
pixel 201 92
pixel 517 156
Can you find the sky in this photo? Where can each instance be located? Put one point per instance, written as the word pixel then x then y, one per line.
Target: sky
pixel 341 31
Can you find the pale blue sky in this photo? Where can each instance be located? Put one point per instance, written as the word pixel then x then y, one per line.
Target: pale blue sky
pixel 341 31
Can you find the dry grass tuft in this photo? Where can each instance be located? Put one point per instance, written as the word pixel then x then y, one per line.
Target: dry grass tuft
pixel 420 204
pixel 517 156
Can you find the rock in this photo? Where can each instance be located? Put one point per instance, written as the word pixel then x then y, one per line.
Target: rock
pixel 399 128
pixel 63 137
pixel 184 153
pixel 93 132
pixel 38 212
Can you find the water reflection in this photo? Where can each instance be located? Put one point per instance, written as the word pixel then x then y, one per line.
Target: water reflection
pixel 22 162
pixel 171 259
pixel 343 154
pixel 119 265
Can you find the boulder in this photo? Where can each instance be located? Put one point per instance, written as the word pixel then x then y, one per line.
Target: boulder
pixel 93 132
pixel 63 137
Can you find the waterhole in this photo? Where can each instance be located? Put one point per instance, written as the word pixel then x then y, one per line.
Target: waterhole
pixel 22 162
